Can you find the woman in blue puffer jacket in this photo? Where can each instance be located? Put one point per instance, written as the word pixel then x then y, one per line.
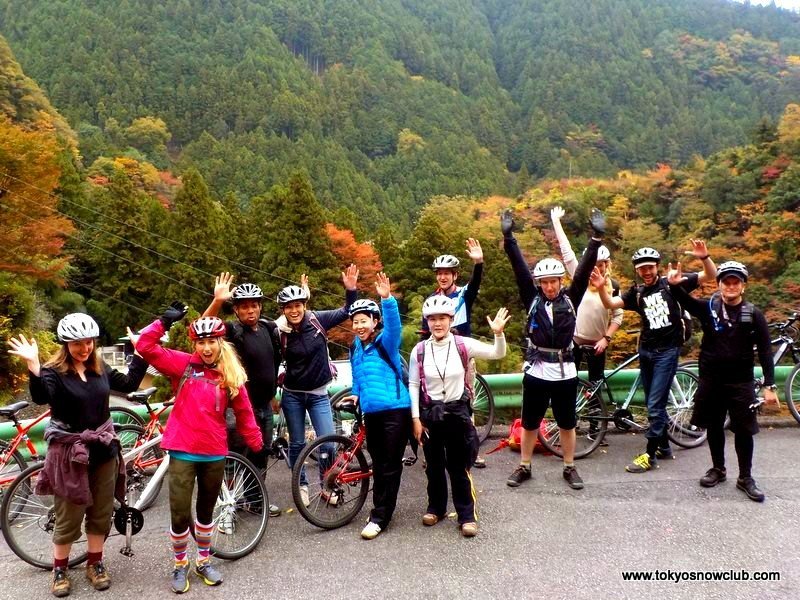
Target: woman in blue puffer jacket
pixel 383 397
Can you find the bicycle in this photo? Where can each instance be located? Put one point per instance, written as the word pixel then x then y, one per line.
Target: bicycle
pixel 593 417
pixel 240 516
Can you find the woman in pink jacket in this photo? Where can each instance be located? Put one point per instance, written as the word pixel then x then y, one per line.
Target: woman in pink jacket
pixel 205 383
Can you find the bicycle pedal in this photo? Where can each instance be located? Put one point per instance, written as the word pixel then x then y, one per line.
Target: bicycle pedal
pixel 127 551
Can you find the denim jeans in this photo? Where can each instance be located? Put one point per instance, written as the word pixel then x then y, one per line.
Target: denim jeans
pixel 295 405
pixel 658 369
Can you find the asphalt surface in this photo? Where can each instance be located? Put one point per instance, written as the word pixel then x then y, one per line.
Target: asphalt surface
pixel 541 539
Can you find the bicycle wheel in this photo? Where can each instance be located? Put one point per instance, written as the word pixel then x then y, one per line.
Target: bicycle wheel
pixel 28 520
pixel 242 509
pixel 793 392
pixel 338 489
pixel 679 410
pixel 11 465
pixel 343 421
pixel 483 408
pixel 689 364
pixel 591 427
pixel 122 415
pixel 141 468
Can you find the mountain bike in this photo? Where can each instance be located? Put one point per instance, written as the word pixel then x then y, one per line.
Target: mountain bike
pixel 593 413
pixel 240 515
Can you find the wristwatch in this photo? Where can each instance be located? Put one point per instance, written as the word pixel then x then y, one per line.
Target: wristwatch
pixel 608 338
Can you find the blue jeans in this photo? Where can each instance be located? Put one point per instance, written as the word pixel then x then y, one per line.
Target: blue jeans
pixel 295 405
pixel 658 370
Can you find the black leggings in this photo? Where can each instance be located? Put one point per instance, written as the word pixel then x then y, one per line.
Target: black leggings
pixel 743 442
pixel 595 363
pixel 182 475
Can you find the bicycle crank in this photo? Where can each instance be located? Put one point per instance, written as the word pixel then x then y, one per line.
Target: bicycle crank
pixel 623 420
pixel 128 521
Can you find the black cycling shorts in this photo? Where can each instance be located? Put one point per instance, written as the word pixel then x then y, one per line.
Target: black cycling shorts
pixel 539 394
pixel 714 399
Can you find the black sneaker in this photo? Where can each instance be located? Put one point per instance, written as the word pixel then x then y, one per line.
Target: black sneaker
pixel 713 476
pixel 519 475
pixel 572 478
pixel 664 453
pixel 749 487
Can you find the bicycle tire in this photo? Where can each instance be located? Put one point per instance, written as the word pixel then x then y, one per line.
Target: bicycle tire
pixel 141 469
pixel 792 391
pixel 27 521
pixel 126 416
pixel 13 463
pixel 483 408
pixel 243 503
pixel 592 423
pixel 680 405
pixel 333 464
pixel 689 364
pixel 342 420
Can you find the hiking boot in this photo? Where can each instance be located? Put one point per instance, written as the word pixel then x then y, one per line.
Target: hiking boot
pixel 520 474
pixel 430 519
pixel 664 453
pixel 469 529
pixel 274 511
pixel 370 531
pixel 749 487
pixel 61 586
pixel 208 573
pixel 713 476
pixel 642 463
pixel 480 463
pixel 572 478
pixel 98 576
pixel 180 579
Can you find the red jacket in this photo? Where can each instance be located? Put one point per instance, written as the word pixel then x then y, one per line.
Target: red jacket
pixel 197 421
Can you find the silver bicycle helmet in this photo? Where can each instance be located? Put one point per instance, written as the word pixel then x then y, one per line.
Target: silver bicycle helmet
pixel 247 291
pixel 645 256
pixel 77 326
pixel 365 305
pixel 291 293
pixel 438 305
pixel 734 268
pixel 548 267
pixel 446 261
pixel 602 253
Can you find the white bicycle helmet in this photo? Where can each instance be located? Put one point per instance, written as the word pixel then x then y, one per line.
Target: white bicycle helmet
pixel 366 306
pixel 548 267
pixel 77 326
pixel 645 256
pixel 291 293
pixel 247 291
pixel 602 253
pixel 734 268
pixel 446 261
pixel 438 305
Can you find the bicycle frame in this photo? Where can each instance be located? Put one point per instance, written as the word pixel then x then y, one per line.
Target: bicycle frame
pixel 152 488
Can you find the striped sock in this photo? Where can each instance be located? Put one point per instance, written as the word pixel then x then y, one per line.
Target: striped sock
pixel 202 535
pixel 180 541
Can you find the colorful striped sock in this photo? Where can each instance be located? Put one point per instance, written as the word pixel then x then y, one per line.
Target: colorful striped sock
pixel 180 542
pixel 202 535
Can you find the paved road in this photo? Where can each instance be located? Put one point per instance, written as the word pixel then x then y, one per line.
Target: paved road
pixel 538 540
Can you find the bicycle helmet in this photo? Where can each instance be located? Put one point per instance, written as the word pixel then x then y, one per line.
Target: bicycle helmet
pixel 548 267
pixel 645 256
pixel 734 268
pixel 291 293
pixel 77 326
pixel 446 261
pixel 366 306
pixel 206 327
pixel 438 305
pixel 602 253
pixel 247 291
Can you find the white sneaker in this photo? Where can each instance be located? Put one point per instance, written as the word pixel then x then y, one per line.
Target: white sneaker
pixel 225 525
pixel 304 495
pixel 371 531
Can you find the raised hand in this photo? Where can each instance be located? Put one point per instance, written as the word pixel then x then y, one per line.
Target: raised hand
pixel 598 223
pixel 27 350
pixel 699 249
pixel 304 284
pixel 222 287
pixel 556 213
pixel 382 285
pixel 350 277
pixel 474 250
pixel 507 222
pixel 674 276
pixel 596 278
pixel 133 337
pixel 499 322
pixel 174 313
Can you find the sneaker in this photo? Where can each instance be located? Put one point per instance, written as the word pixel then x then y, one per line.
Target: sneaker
pixel 370 531
pixel 519 475
pixel 713 476
pixel 749 487
pixel 430 519
pixel 98 576
pixel 180 579
pixel 664 453
pixel 208 573
pixel 304 495
pixel 61 586
pixel 572 478
pixel 274 511
pixel 480 463
pixel 642 463
pixel 469 529
pixel 330 498
pixel 225 525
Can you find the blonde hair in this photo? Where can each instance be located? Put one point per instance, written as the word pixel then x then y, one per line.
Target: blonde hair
pixel 62 361
pixel 230 368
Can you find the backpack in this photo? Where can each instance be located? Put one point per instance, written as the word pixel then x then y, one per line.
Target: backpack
pixel 514 440
pixel 461 347
pixel 284 338
pixel 718 312
pixel 686 318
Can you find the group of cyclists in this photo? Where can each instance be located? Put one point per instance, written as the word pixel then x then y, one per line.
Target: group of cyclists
pixel 240 364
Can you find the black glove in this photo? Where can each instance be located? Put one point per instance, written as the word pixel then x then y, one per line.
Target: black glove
pixel 598 223
pixel 174 313
pixel 507 222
